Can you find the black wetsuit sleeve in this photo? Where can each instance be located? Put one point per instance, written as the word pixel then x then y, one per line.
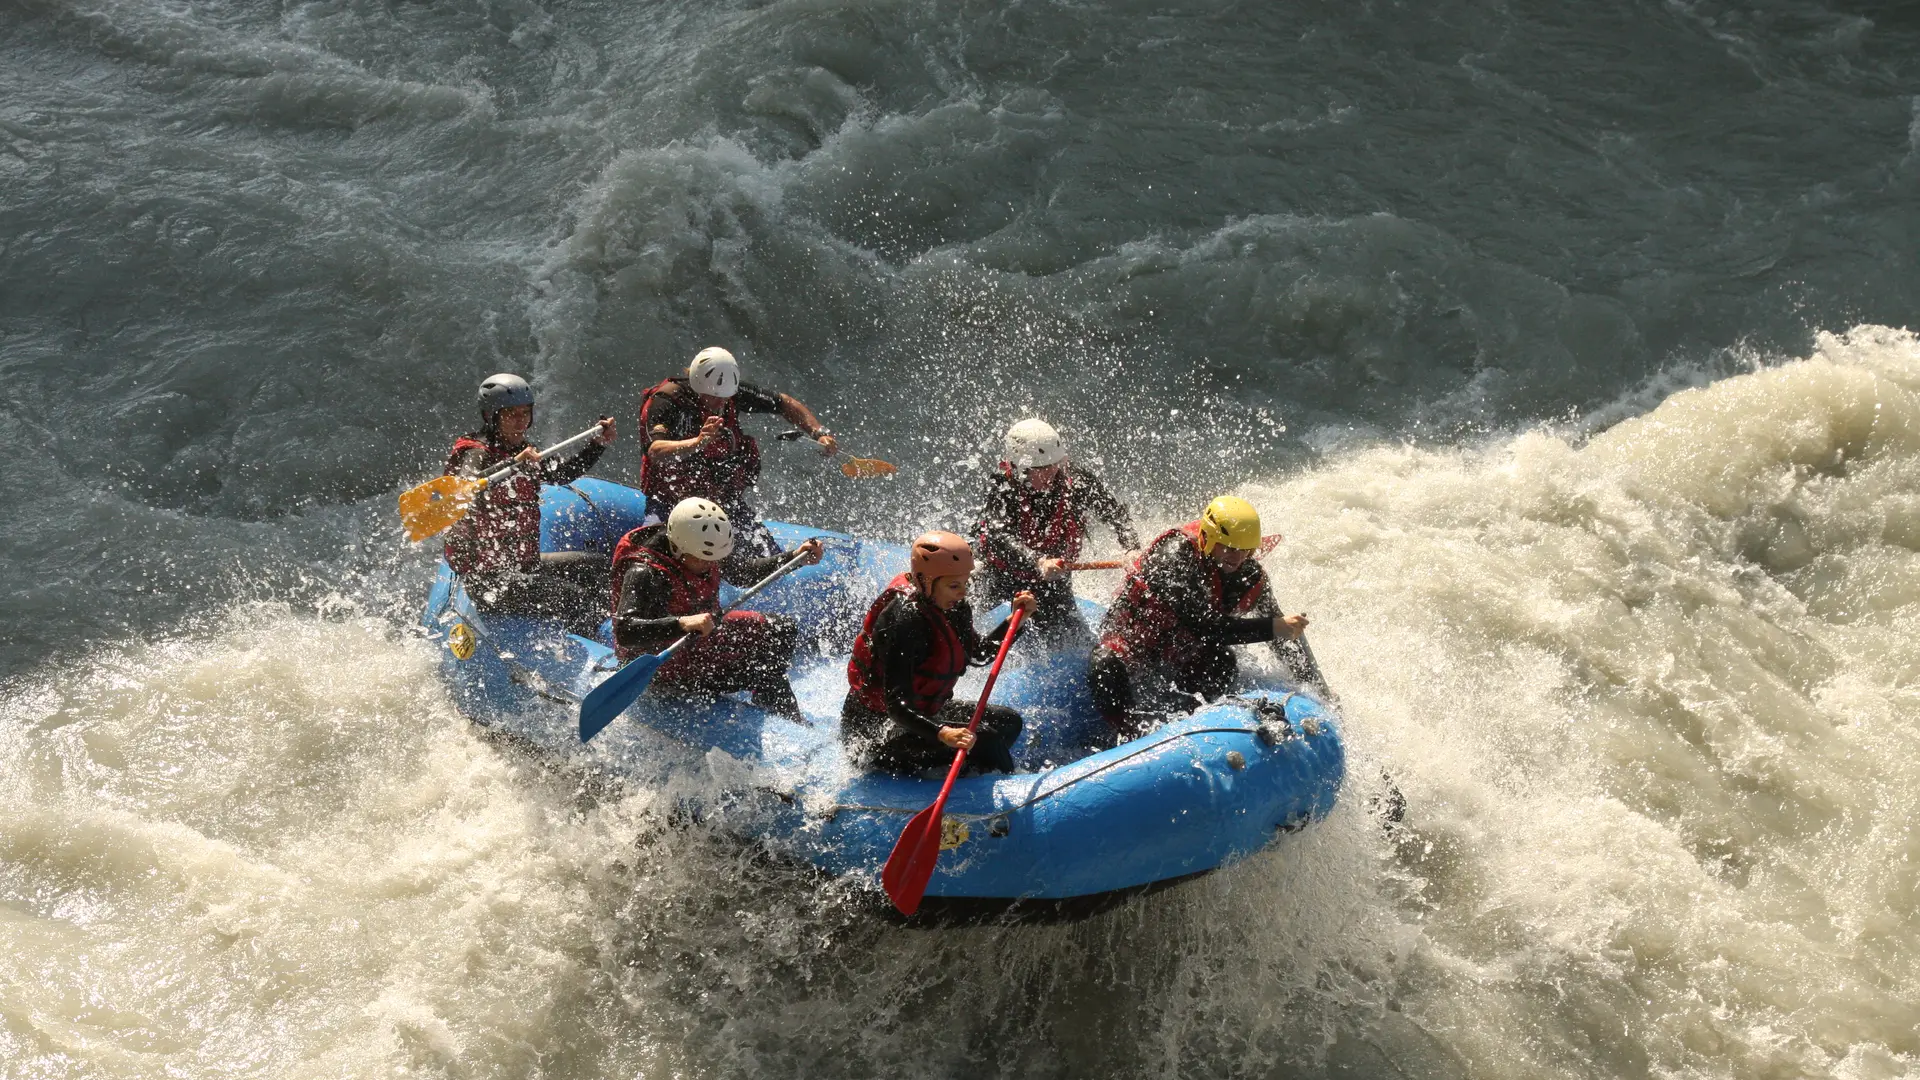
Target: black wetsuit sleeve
pixel 1174 572
pixel 573 468
pixel 996 530
pixel 748 571
pixel 752 399
pixel 1265 607
pixel 1100 502
pixel 642 623
pixel 900 646
pixel 666 418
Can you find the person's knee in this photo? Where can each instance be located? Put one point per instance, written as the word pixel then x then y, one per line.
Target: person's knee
pixel 1108 679
pixel 1211 674
pixel 1003 723
pixel 783 635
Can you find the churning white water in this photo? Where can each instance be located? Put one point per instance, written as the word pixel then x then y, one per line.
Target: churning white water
pixel 1650 695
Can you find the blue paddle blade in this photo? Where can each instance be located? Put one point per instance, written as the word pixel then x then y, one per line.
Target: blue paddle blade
pixel 607 701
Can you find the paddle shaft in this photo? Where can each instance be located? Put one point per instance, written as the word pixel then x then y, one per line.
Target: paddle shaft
pixel 503 471
pixel 797 435
pixel 1312 675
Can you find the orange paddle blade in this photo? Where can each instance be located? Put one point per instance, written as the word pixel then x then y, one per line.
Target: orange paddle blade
pixel 431 508
pixel 860 468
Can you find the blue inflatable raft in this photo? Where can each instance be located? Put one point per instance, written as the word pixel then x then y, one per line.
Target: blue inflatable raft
pixel 1082 820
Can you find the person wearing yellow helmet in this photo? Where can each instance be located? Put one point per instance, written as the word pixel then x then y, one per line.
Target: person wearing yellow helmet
pixel 1194 594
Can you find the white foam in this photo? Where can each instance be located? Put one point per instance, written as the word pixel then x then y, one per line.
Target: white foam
pixel 1658 749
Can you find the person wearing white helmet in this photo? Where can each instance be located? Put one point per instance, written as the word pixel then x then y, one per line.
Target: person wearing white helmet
pixel 666 583
pixel 697 448
pixel 495 548
pixel 1039 503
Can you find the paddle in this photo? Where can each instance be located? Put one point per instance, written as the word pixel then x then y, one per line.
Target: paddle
pixel 857 468
pixel 910 866
pixel 431 508
pixel 620 689
pixel 1307 667
pixel 1267 543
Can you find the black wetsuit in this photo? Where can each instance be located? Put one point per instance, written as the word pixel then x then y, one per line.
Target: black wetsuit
pixel 1010 564
pixel 1180 614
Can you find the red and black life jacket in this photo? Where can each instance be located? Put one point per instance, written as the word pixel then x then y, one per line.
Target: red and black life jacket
pixel 721 470
pixel 933 680
pixel 502 531
pixel 1058 535
pixel 1142 625
pixel 689 592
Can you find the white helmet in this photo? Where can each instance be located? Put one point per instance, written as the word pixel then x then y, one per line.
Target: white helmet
pixel 1033 444
pixel 714 371
pixel 698 527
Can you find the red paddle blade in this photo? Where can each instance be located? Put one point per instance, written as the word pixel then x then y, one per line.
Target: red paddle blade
pixel 911 865
pixel 1269 542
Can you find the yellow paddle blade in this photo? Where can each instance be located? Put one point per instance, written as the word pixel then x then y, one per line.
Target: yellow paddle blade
pixel 860 468
pixel 430 508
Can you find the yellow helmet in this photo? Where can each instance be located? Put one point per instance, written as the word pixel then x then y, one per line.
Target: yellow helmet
pixel 1229 520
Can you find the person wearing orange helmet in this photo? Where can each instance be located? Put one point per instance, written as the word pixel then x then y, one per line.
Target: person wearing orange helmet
pixel 1196 592
pixel 917 640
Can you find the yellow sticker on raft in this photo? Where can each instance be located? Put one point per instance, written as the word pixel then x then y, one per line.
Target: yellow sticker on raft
pixel 953 833
pixel 461 640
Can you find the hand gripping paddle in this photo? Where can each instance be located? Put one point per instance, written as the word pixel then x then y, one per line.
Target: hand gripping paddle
pixel 856 468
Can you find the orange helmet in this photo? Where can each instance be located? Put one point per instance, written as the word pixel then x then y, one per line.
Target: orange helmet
pixel 941 554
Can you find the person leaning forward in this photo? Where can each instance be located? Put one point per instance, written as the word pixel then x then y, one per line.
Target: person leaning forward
pixel 918 639
pixel 1035 521
pixel 696 447
pixel 1196 592
pixel 666 583
pixel 495 548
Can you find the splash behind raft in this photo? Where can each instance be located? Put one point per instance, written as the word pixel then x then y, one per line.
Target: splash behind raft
pixel 1082 820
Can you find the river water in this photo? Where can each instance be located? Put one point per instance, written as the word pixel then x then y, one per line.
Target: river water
pixel 1561 340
